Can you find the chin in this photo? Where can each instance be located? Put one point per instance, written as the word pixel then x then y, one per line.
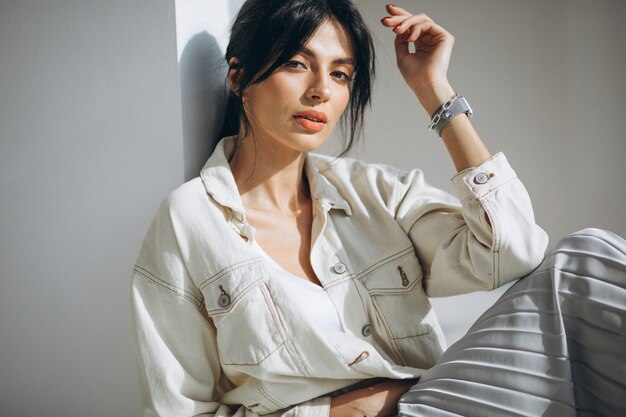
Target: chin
pixel 310 142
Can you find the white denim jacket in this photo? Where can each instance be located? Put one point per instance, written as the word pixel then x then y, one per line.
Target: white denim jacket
pixel 215 337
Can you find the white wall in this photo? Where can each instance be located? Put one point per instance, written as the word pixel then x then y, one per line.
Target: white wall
pixel 203 30
pixel 93 136
pixel 90 142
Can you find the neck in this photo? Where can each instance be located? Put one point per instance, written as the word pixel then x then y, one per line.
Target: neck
pixel 270 177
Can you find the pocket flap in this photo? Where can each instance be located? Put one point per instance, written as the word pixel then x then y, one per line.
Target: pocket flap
pixel 223 291
pixel 396 274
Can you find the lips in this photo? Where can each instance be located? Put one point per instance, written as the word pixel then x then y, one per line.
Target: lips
pixel 316 116
pixel 311 120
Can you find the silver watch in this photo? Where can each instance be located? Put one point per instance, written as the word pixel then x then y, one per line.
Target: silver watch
pixel 447 111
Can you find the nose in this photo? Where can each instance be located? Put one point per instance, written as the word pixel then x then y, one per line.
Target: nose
pixel 319 89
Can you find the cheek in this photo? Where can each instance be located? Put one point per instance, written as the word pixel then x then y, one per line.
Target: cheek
pixel 285 87
pixel 343 98
pixel 265 101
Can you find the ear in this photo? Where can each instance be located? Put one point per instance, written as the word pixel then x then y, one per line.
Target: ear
pixel 233 76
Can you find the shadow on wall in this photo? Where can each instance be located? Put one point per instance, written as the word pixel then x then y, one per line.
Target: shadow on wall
pixel 203 94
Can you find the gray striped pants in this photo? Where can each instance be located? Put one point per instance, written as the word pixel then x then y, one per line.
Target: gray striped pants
pixel 554 344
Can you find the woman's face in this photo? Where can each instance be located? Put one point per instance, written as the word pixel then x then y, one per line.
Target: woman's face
pixel 297 106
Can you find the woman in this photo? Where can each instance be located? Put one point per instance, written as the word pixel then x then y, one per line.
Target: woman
pixel 287 283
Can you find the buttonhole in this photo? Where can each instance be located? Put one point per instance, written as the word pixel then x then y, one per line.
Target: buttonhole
pixel 365 354
pixel 222 290
pixel 491 175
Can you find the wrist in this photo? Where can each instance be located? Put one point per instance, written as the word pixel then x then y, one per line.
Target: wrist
pixel 433 95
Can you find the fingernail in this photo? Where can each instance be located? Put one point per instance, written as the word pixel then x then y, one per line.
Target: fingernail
pixel 392 5
pixel 385 18
pixel 396 28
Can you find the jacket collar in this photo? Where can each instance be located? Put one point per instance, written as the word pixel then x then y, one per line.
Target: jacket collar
pixel 322 190
pixel 220 184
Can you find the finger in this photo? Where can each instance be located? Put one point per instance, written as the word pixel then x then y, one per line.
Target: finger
pixel 412 20
pixel 415 32
pixel 395 10
pixel 392 21
pixel 430 32
pixel 402 47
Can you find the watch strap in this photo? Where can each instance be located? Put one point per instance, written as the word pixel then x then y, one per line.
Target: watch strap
pixel 447 111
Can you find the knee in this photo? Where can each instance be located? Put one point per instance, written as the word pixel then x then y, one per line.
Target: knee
pixel 591 240
pixel 593 232
pixel 592 253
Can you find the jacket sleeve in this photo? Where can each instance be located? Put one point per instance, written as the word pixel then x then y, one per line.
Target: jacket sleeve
pixel 175 340
pixel 486 242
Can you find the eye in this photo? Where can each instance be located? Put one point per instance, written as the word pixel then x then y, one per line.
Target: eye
pixel 294 64
pixel 340 75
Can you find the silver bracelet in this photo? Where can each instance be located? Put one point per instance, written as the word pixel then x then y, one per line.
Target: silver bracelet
pixel 447 111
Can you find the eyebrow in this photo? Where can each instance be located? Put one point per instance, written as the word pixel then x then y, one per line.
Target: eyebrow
pixel 343 61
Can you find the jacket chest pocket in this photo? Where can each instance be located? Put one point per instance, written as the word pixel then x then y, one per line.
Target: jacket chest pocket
pixel 403 317
pixel 239 305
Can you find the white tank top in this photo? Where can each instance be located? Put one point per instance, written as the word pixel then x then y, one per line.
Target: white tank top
pixel 310 297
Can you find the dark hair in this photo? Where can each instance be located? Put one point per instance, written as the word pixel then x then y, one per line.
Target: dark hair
pixel 268 33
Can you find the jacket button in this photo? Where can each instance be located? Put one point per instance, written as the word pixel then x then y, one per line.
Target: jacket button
pixel 366 330
pixel 224 300
pixel 481 178
pixel 339 268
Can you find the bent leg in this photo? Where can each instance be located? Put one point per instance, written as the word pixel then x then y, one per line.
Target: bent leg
pixel 554 344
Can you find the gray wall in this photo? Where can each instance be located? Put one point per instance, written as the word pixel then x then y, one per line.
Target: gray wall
pixel 90 142
pixel 93 135
pixel 545 80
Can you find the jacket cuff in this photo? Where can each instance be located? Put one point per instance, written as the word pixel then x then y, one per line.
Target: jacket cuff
pixel 476 182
